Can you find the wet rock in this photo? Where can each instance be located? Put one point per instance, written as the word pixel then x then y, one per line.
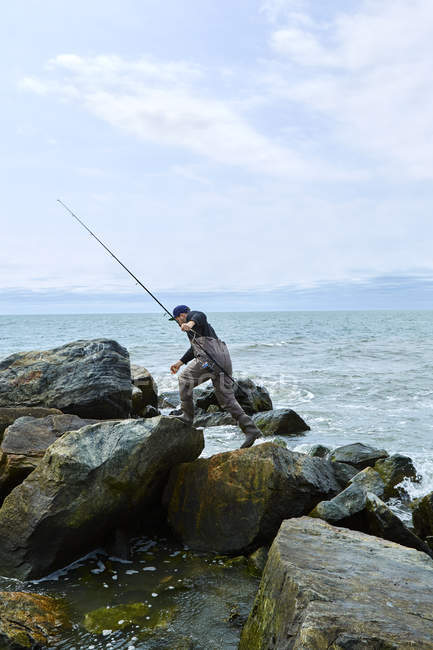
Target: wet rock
pixel 370 480
pixel 319 451
pixel 384 523
pixel 115 618
pixel 89 482
pixel 8 414
pixel 31 620
pixel 358 455
pixel 251 397
pixel 422 515
pixel 258 559
pixel 331 588
pixel 87 378
pixel 150 412
pixel 236 500
pixel 212 418
pixel 393 471
pixel 343 473
pixel 169 399
pixel 280 422
pixel 25 442
pixel 142 379
pixel 358 509
pixel 137 401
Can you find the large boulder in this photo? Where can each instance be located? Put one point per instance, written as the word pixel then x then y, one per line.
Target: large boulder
pixel 358 509
pixel 358 455
pixel 87 378
pixel 280 422
pixel 251 397
pixel 330 588
pixel 236 500
pixel 142 379
pixel 90 481
pixel 8 414
pixel 31 620
pixel 26 441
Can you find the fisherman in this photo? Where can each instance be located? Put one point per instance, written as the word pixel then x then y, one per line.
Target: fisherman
pixel 202 367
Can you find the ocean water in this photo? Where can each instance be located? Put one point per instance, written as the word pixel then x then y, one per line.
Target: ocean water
pixel 353 376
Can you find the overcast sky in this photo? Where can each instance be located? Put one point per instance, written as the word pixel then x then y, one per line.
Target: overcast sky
pixel 268 149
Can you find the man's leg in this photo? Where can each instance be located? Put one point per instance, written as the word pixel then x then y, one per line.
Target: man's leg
pixel 226 397
pixel 193 375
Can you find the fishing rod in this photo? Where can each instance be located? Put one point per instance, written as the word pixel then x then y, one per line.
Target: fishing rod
pixel 214 361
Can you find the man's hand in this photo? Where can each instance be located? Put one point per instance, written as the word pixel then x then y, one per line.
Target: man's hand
pixel 186 327
pixel 175 367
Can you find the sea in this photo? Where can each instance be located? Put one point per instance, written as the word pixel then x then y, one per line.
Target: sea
pixel 353 376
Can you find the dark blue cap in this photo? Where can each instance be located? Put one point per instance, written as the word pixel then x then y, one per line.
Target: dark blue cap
pixel 180 309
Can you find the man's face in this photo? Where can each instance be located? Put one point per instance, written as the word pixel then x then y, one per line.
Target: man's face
pixel 181 318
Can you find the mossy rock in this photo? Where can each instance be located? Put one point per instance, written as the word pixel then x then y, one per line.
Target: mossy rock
pixel 121 616
pixel 394 470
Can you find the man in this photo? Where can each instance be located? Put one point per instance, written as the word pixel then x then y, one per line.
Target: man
pixel 200 368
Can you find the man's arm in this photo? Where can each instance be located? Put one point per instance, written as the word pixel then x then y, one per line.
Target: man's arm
pixel 188 356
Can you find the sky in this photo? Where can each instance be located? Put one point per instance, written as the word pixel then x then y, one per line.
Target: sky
pixel 257 154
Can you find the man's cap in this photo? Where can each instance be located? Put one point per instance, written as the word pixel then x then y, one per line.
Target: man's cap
pixel 177 311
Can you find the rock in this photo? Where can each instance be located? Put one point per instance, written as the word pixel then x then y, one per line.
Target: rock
pixel 370 480
pixel 280 422
pixel 358 455
pixel 168 399
pixel 393 471
pixel 31 620
pixel 357 509
pixel 150 412
pixel 384 523
pixel 422 516
pixel 137 401
pixel 236 500
pixel 251 397
pixel 344 472
pixel 142 379
pixel 87 378
pixel 8 414
pixel 212 418
pixel 319 451
pixel 331 588
pixel 89 482
pixel 25 442
pixel 257 560
pixel 115 618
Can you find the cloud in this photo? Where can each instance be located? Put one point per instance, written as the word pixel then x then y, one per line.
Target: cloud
pixel 162 103
pixel 369 73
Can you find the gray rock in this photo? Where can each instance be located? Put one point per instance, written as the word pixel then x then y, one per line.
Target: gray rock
pixel 358 509
pixel 422 515
pixel 251 397
pixel 370 480
pixel 142 379
pixel 358 455
pixel 319 451
pixel 236 500
pixel 168 399
pixel 87 378
pixel 88 483
pixel 211 418
pixel 393 471
pixel 280 422
pixel 137 401
pixel 343 473
pixel 8 415
pixel 25 442
pixel 327 588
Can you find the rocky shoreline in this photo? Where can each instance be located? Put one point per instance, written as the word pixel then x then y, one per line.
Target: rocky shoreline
pixel 86 457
